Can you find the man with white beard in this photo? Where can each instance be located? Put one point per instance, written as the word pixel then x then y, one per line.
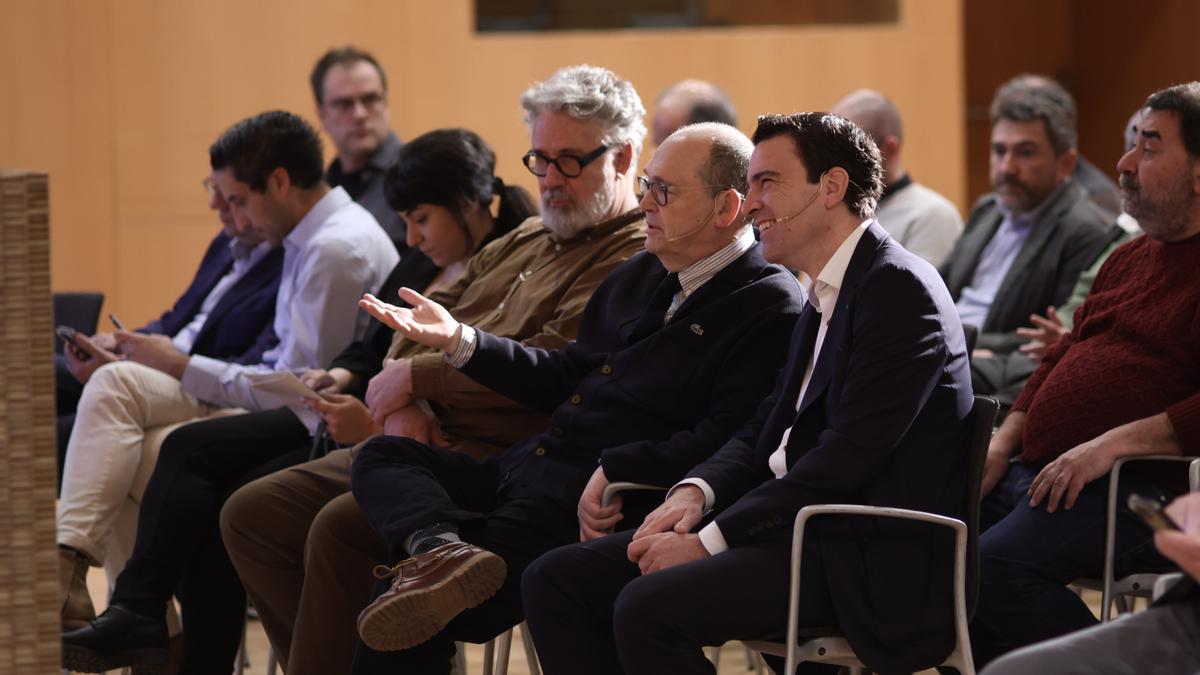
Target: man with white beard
pixel 286 531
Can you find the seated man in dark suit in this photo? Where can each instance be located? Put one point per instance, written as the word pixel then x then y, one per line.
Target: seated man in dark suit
pixel 1027 242
pixel 675 350
pixel 226 313
pixel 1122 383
pixel 870 409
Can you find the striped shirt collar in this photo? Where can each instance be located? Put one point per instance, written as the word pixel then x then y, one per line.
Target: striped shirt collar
pixel 698 273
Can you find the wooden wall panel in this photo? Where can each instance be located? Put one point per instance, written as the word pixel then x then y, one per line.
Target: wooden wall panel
pixel 1110 54
pixel 119 100
pixel 1122 55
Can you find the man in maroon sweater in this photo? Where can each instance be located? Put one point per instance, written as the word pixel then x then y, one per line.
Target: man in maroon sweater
pixel 1122 383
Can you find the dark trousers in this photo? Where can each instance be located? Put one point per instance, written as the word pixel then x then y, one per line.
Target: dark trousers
pixel 1002 376
pixel 178 550
pixel 402 486
pixel 590 610
pixel 1028 556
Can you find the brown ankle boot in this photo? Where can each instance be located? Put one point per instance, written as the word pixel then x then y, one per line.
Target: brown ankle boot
pixel 77 610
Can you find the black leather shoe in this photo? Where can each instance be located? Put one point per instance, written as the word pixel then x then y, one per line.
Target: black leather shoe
pixel 118 638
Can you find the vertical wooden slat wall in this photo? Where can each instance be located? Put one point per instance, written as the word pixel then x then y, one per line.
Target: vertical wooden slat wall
pixel 29 604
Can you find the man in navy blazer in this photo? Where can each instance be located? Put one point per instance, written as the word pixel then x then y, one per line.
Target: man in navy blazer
pixel 869 409
pixel 237 328
pixel 675 350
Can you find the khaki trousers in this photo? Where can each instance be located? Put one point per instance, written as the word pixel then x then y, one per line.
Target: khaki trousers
pixel 124 414
pixel 305 555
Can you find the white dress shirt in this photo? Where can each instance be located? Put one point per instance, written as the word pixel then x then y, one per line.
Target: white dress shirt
pixel 243 261
pixel 335 253
pixel 824 297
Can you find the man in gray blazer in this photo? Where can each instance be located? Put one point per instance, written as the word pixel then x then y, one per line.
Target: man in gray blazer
pixel 1027 241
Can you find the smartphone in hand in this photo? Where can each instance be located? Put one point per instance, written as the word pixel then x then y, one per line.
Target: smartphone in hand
pixel 1151 511
pixel 67 335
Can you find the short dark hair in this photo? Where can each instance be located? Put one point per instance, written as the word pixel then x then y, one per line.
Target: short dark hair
pixel 258 145
pixel 1026 98
pixel 341 56
pixel 452 168
pixel 1184 100
pixel 824 141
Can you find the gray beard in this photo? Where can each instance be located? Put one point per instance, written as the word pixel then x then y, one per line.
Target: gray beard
pixel 569 222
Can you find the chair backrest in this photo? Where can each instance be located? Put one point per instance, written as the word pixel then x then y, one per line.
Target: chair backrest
pixel 983 418
pixel 80 311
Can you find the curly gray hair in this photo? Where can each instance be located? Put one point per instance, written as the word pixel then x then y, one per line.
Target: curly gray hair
pixel 591 93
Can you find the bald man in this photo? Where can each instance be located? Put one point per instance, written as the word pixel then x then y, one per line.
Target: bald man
pixel 690 102
pixel 923 221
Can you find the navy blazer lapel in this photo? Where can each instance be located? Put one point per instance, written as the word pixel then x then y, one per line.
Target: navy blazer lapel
pixel 265 272
pixel 839 328
pixel 206 279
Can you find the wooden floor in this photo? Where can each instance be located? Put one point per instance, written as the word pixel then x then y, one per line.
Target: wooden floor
pixel 732 661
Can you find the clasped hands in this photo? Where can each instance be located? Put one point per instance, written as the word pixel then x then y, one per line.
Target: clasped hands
pixel 665 538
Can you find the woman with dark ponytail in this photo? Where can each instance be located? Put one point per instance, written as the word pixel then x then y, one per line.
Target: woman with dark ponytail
pixel 443 185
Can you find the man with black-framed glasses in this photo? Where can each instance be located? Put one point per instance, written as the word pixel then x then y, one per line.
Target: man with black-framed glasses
pixel 350 89
pixel 305 566
pixel 675 350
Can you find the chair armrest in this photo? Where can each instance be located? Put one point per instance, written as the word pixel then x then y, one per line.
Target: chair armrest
pixel 882 511
pixel 612 489
pixel 1164 584
pixel 960 557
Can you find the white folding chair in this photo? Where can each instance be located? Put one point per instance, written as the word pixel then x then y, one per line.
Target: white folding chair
pixel 836 649
pixel 1139 584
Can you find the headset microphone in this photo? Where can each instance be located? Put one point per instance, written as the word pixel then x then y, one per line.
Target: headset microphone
pixel 685 235
pixel 775 221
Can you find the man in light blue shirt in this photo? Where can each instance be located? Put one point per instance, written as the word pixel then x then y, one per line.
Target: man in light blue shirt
pixel 1027 241
pixel 270 170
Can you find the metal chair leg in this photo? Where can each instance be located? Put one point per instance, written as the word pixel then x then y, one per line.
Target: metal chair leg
pixel 503 650
pixel 489 657
pixel 460 659
pixel 530 650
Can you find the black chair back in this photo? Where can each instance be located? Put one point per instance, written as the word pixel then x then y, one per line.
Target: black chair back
pixel 80 311
pixel 983 419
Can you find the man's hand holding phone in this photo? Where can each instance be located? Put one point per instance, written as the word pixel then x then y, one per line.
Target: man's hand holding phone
pixel 155 351
pixel 83 354
pixel 1182 546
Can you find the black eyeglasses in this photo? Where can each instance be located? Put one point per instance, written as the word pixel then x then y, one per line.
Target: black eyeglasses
pixel 570 166
pixel 209 188
pixel 662 192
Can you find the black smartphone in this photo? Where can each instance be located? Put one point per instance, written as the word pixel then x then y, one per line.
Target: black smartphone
pixel 1151 511
pixel 67 335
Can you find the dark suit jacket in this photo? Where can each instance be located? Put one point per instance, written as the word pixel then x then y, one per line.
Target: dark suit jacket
pixel 648 409
pixel 239 329
pixel 1066 239
pixel 882 423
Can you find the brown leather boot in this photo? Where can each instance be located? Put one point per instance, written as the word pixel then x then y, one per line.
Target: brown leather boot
pixel 77 610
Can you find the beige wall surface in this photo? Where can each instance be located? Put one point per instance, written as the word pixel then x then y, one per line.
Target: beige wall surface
pixel 119 99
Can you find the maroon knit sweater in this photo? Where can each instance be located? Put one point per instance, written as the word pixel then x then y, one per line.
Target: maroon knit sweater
pixel 1134 353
